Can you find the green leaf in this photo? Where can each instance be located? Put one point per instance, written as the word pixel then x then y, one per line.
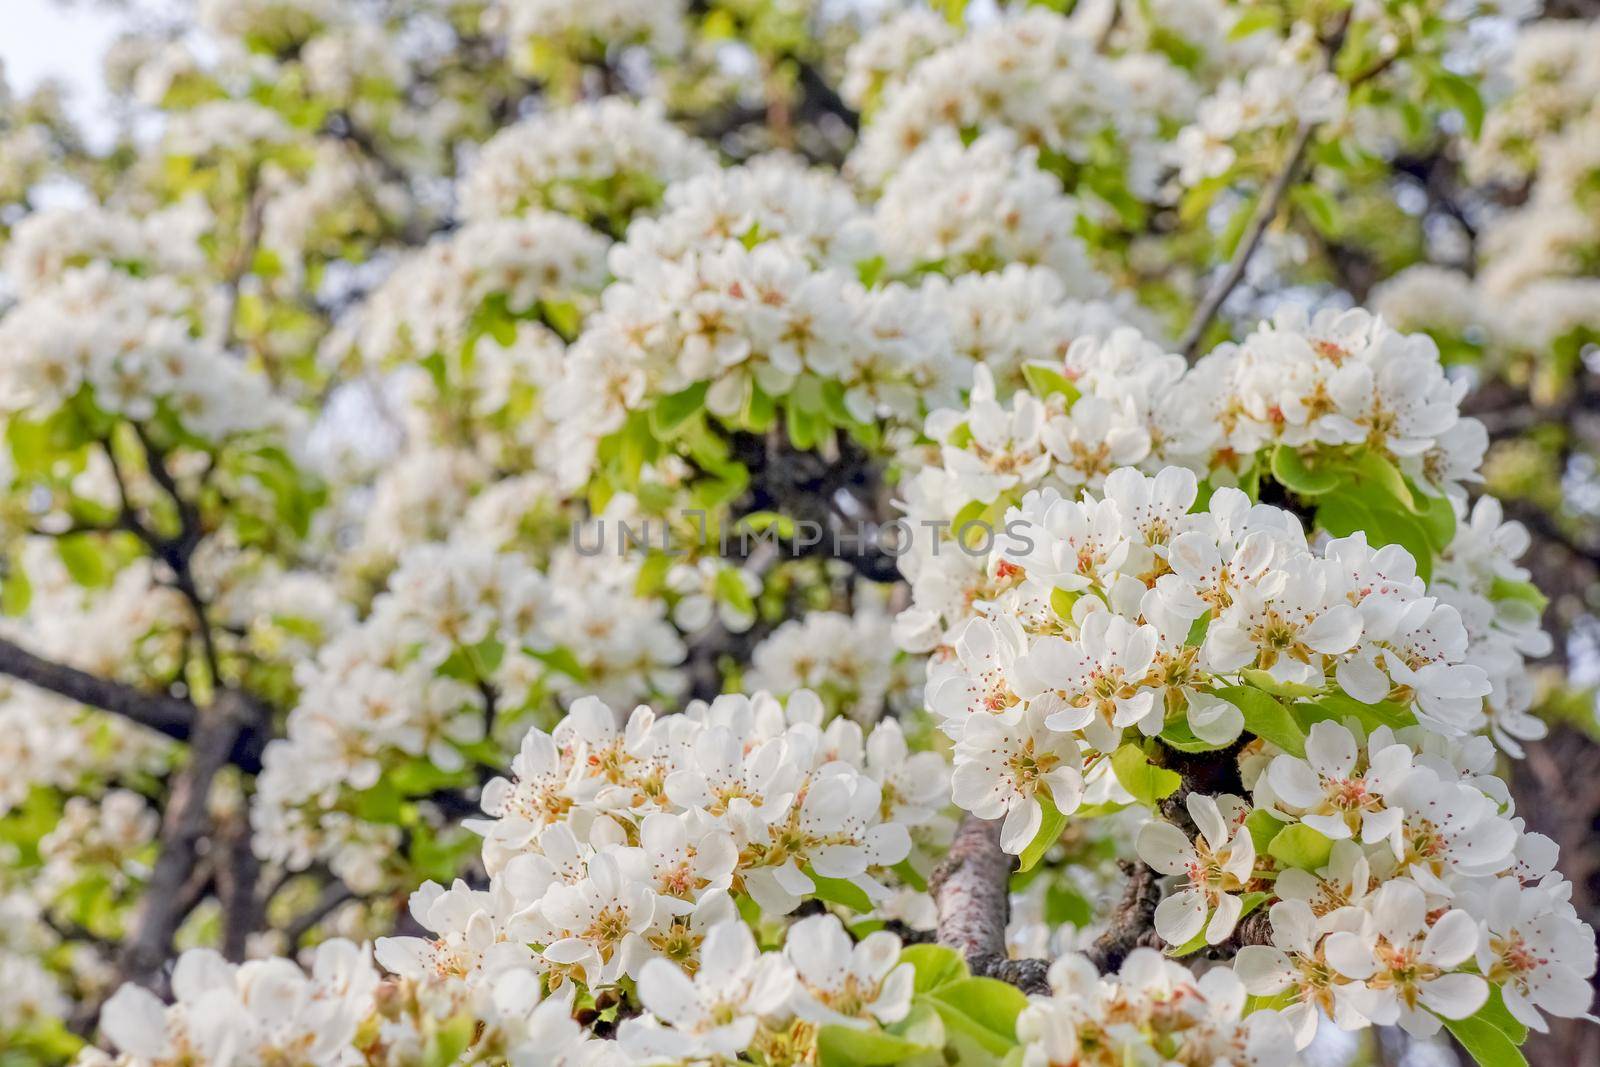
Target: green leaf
pixel 758 521
pixel 1305 476
pixel 909 874
pixel 1437 518
pixel 983 1009
pixel 1266 717
pixel 1061 601
pixel 1527 592
pixel 561 659
pixel 1064 904
pixel 449 1041
pixel 1354 507
pixel 1178 735
pixel 1495 1012
pixel 1341 706
pixel 934 966
pixel 1319 207
pixel 1263 829
pixel 562 316
pixel 1298 845
pixel 760 410
pixel 840 891
pixel 1045 380
pixel 845 1046
pixel 15 591
pixel 1254 20
pixel 84 557
pixel 1485 1042
pixel 1376 472
pixel 1462 94
pixel 731 588
pixel 1147 782
pixel 804 428
pixel 671 412
pixel 1264 681
pixel 868 271
pixel 1049 833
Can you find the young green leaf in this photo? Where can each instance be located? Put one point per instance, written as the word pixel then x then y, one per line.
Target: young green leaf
pixel 1298 845
pixel 1049 833
pixel 1266 717
pixel 1147 782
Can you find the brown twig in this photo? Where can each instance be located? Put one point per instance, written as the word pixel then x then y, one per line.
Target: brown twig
pixel 1266 211
pixel 1268 206
pixel 334 895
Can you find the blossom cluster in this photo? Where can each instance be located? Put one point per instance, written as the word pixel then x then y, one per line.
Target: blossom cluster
pixel 1126 610
pixel 582 26
pixel 783 799
pixel 258 1011
pixel 1035 73
pixel 1320 385
pixel 43 246
pixel 1429 890
pixel 978 207
pixel 1152 1010
pixel 342 1010
pixel 428 303
pixel 1294 88
pixel 848 660
pixel 605 160
pixel 1534 294
pixel 741 1001
pixel 746 283
pixel 461 627
pixel 132 345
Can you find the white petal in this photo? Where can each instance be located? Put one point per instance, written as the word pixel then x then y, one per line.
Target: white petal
pixel 1454 996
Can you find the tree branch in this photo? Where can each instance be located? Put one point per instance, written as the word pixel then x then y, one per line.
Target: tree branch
pixel 238 883
pixel 167 715
pixel 1133 924
pixel 1266 211
pixel 187 821
pixel 1271 201
pixel 334 895
pixel 971 888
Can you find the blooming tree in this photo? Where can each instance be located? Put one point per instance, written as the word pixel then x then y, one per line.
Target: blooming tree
pixel 665 532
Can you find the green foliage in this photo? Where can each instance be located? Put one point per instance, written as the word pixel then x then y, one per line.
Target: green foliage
pixel 1339 706
pixel 1050 830
pixel 1300 846
pixel 1147 782
pixel 1303 474
pixel 1266 717
pixel 1492 1035
pixel 954 1018
pixel 840 891
pixel 1046 380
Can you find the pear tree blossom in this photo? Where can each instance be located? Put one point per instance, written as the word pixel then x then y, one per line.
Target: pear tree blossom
pixel 807 533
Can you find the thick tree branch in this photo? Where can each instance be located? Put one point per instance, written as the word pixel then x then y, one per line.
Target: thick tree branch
pixel 1133 924
pixel 971 888
pixel 184 828
pixel 238 884
pixel 168 715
